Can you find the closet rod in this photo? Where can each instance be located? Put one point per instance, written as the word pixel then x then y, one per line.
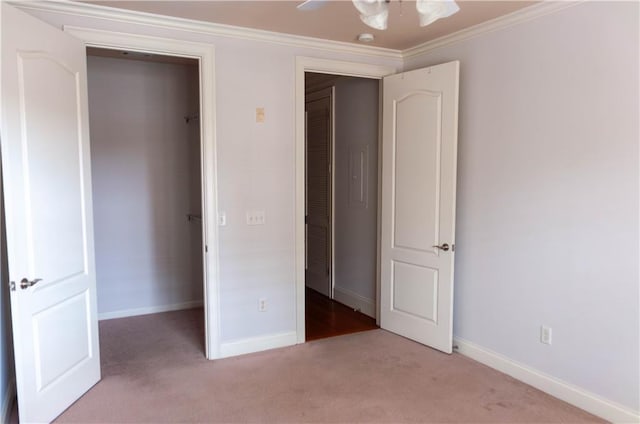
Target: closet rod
pixel 194 217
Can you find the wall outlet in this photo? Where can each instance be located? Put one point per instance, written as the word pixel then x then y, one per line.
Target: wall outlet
pixel 256 218
pixel 545 335
pixel 262 305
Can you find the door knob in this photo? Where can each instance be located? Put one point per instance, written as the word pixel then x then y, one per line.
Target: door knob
pixel 25 284
pixel 444 247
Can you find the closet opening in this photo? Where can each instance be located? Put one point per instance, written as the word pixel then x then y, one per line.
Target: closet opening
pixel 147 180
pixel 341 204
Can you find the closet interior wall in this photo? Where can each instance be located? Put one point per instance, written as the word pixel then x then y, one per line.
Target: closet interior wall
pixel 146 181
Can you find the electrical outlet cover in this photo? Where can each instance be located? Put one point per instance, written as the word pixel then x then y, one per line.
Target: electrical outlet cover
pixel 545 335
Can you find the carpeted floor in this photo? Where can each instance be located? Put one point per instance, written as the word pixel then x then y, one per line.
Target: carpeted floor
pixel 154 371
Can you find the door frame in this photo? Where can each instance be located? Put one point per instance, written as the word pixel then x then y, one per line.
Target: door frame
pixel 205 54
pixel 334 67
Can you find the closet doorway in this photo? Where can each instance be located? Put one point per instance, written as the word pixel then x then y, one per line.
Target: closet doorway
pixel 146 160
pixel 341 213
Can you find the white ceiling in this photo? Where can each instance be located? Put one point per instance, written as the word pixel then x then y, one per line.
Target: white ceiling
pixel 337 20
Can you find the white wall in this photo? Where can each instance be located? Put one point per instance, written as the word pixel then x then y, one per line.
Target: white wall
pixel 547 224
pixel 145 168
pixel 256 171
pixel 356 130
pixel 548 188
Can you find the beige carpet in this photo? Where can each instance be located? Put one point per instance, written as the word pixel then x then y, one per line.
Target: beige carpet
pixel 154 371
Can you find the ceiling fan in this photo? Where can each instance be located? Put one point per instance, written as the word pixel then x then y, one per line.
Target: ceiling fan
pixel 375 13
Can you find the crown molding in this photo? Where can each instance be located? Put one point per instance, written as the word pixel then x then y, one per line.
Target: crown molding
pixel 207 28
pixel 220 30
pixel 501 22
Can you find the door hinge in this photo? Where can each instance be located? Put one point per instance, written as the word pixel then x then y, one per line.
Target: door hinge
pixel 206 249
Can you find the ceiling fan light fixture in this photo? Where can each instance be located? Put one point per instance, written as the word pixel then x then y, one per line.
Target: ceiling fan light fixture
pixel 378 21
pixel 374 13
pixel 432 10
pixel 365 37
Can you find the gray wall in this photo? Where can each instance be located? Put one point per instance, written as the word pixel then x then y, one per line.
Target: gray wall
pixel 145 168
pixel 356 135
pixel 547 217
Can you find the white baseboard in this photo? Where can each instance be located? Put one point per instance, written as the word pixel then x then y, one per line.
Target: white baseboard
pixel 150 310
pixel 355 301
pixel 8 401
pixel 567 392
pixel 257 344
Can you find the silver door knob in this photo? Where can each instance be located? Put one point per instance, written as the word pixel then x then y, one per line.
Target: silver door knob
pixel 25 284
pixel 444 247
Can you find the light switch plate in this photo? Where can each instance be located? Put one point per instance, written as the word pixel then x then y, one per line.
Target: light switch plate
pixel 222 219
pixel 256 218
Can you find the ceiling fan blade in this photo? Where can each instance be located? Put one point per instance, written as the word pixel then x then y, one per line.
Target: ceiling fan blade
pixel 374 13
pixel 430 10
pixel 311 5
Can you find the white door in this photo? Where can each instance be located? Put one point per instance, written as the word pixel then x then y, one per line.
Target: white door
pixel 318 109
pixel 47 193
pixel 420 128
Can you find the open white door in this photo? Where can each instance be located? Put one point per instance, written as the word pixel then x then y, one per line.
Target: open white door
pixel 47 188
pixel 420 131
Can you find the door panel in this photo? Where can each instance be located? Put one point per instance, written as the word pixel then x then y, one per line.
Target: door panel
pixel 415 290
pixel 417 171
pixel 52 143
pixel 318 108
pixel 420 112
pixel 54 358
pixel 47 188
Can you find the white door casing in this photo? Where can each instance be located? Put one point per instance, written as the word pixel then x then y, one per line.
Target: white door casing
pixel 49 219
pixel 205 54
pixel 326 66
pixel 419 154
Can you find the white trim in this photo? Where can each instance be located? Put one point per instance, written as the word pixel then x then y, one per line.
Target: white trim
pixel 257 344
pixel 207 28
pixel 8 402
pixel 124 313
pixel 379 204
pixel 213 29
pixel 308 64
pixel 567 392
pixel 147 43
pixel 354 300
pixel 205 53
pixel 501 22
